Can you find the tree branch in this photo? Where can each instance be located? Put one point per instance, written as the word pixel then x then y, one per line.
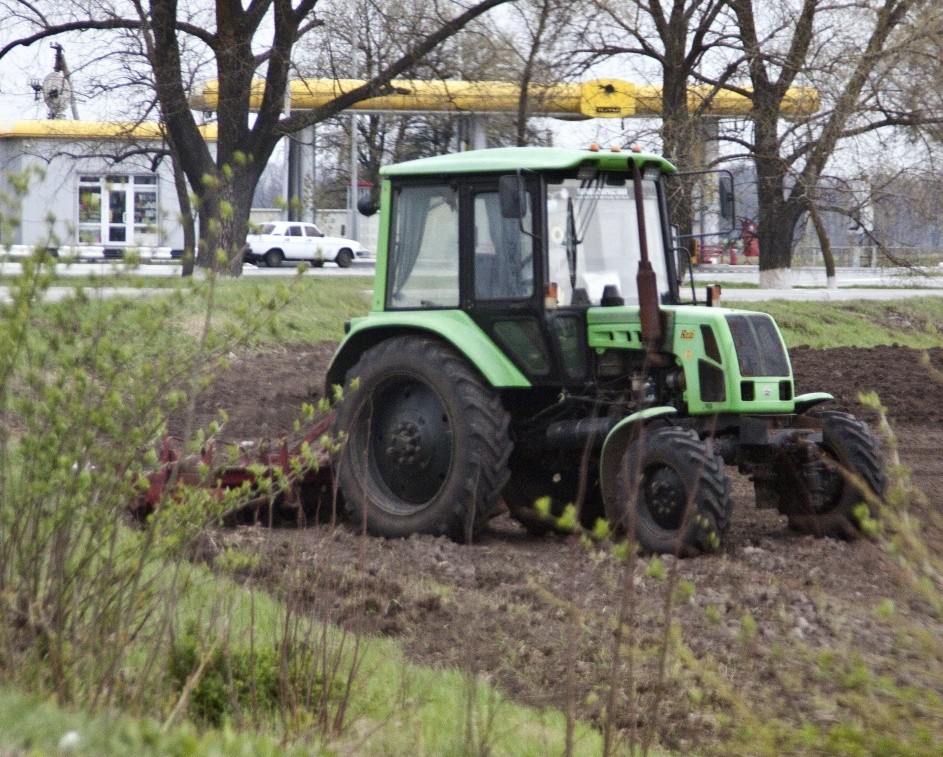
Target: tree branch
pixel 373 87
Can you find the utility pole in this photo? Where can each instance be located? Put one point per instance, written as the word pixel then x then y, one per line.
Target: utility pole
pixel 354 163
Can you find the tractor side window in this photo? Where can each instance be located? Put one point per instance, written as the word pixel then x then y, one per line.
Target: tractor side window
pixel 504 256
pixel 424 259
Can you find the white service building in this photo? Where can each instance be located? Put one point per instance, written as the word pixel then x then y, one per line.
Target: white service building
pixel 95 190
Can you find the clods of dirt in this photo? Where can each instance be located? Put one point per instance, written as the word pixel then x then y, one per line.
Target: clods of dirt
pixel 784 622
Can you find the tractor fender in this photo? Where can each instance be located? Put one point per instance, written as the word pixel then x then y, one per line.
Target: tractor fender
pixel 618 440
pixel 452 327
pixel 806 401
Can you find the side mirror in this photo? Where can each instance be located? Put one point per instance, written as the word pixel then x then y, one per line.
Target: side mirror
pixel 725 187
pixel 367 205
pixel 719 207
pixel 513 196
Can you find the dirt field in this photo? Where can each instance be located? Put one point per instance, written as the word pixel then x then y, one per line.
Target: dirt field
pixel 777 628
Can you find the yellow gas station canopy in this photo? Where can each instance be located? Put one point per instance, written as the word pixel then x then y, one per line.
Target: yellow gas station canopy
pixel 97 130
pixel 600 98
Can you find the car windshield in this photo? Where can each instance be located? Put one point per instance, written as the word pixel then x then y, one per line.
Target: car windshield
pixel 594 241
pixel 267 228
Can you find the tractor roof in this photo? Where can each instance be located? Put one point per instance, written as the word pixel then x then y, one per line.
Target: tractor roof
pixel 510 159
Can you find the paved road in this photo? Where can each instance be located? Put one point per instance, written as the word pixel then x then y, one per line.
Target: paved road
pixel 853 283
pixel 76 270
pixel 103 270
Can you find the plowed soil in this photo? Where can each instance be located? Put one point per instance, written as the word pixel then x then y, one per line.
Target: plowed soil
pixel 770 627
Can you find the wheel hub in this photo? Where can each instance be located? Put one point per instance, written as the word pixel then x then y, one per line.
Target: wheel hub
pixel 411 440
pixel 666 498
pixel 407 449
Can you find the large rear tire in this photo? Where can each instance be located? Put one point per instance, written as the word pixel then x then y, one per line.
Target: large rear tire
pixel 427 444
pixel 672 493
pixel 852 470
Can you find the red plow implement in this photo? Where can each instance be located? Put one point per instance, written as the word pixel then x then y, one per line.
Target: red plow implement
pixel 283 480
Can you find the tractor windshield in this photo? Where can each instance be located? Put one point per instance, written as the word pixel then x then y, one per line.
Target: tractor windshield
pixel 594 241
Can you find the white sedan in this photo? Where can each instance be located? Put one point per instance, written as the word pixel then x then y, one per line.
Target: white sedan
pixel 290 240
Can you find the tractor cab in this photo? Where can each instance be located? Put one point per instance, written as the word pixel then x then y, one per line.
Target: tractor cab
pixel 526 250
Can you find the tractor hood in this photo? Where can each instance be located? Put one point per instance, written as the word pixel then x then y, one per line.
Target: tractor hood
pixel 734 361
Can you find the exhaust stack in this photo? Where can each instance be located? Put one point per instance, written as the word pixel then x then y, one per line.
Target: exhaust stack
pixel 649 310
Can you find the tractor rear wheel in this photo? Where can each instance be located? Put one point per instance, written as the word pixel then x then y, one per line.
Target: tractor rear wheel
pixel 673 495
pixel 851 470
pixel 427 445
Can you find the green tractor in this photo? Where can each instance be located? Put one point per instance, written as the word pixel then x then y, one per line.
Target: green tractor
pixel 529 340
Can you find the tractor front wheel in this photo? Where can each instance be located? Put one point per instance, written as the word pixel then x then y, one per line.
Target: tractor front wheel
pixel 850 472
pixel 426 447
pixel 672 494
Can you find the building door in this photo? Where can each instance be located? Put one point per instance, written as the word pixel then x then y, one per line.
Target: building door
pixel 118 210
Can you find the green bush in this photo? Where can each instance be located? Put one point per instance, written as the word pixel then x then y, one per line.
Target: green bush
pixel 85 387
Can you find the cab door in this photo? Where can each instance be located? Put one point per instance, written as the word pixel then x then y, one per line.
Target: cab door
pixel 503 288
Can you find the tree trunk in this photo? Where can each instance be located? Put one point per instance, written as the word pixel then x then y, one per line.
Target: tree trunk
pixel 224 222
pixel 682 146
pixel 187 219
pixel 779 214
pixel 827 257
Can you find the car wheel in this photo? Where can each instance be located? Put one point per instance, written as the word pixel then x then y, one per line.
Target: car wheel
pixel 344 258
pixel 274 258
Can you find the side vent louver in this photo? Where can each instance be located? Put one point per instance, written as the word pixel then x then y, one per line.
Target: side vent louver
pixel 710 343
pixel 711 379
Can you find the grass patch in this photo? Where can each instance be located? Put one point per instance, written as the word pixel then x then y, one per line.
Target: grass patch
pixel 916 323
pixel 126 278
pixel 314 308
pixel 395 707
pixel 299 309
pixel 723 285
pixel 34 726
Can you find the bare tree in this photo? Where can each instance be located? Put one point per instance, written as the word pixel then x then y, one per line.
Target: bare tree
pixel 244 43
pixel 849 52
pixel 675 35
pixel 544 49
pixel 365 39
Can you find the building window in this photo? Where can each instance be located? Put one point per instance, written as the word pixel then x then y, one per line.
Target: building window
pixel 118 210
